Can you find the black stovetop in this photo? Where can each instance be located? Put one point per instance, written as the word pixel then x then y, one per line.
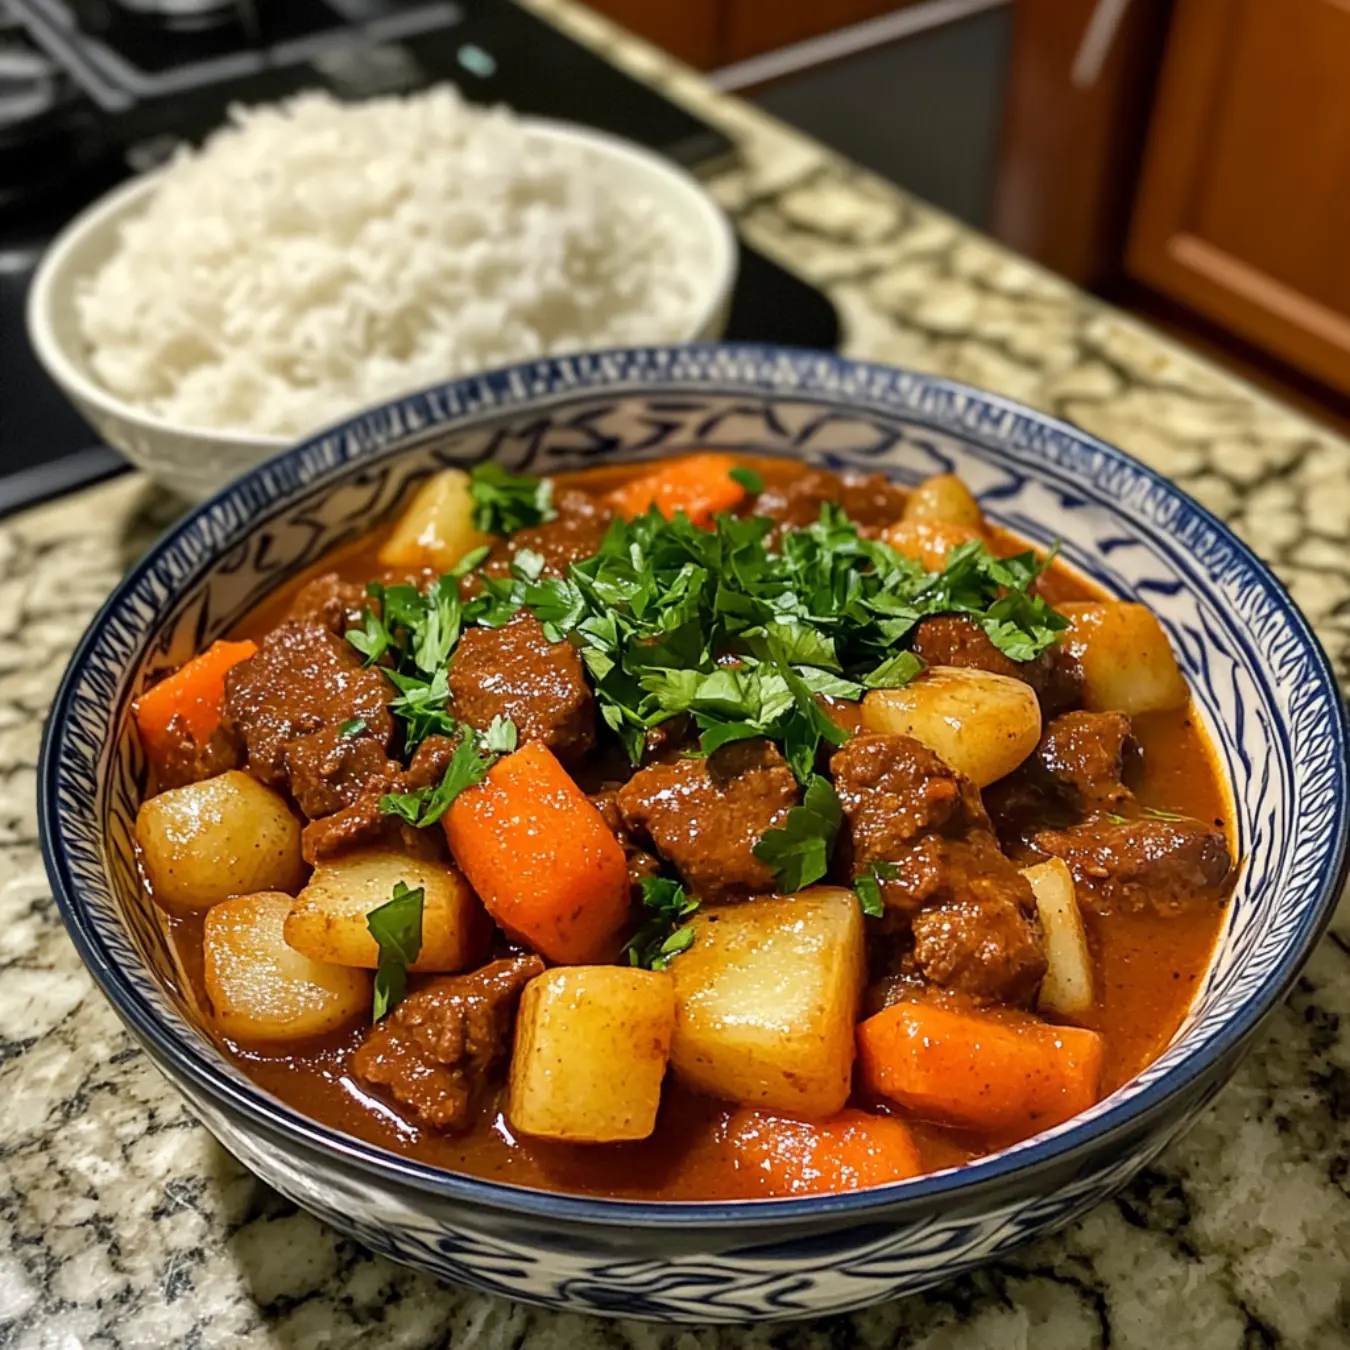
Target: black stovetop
pixel 92 91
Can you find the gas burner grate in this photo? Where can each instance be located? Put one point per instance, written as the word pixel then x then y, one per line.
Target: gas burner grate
pixel 124 52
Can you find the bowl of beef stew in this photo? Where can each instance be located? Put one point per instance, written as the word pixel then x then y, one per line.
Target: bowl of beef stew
pixel 712 833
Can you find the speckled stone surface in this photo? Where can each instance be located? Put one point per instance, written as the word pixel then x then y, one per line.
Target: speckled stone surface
pixel 124 1226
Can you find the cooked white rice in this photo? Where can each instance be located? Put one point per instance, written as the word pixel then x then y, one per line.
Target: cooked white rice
pixel 314 256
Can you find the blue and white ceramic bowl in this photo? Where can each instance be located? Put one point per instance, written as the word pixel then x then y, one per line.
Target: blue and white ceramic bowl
pixel 1262 686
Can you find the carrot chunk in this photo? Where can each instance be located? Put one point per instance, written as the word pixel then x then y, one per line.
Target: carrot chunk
pixel 194 694
pixel 975 1070
pixel 780 1155
pixel 698 485
pixel 541 857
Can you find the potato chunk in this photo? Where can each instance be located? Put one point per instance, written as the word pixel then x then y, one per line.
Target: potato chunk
pixel 928 541
pixel 227 835
pixel 944 499
pixel 1067 989
pixel 590 1053
pixel 766 998
pixel 1127 662
pixel 980 724
pixel 328 920
pixel 437 529
pixel 261 989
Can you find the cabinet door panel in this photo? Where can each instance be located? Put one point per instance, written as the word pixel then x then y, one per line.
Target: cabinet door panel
pixel 1244 207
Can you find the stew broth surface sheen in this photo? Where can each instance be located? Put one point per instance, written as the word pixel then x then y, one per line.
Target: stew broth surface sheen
pixel 1148 968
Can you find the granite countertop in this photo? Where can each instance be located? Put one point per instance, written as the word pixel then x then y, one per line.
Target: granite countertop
pixel 123 1225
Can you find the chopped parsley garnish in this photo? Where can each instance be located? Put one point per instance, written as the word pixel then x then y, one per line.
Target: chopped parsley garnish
pixel 353 726
pixel 663 935
pixel 748 479
pixel 501 737
pixel 895 672
pixel 396 927
pixel 671 618
pixel 799 851
pixel 421 704
pixel 474 755
pixel 506 502
pixel 412 635
pixel 867 887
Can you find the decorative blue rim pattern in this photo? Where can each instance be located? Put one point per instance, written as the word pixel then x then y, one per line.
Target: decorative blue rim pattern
pixel 938 405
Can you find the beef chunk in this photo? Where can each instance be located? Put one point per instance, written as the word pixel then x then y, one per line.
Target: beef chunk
pixel 641 864
pixel 516 672
pixel 364 825
pixel 436 1051
pixel 330 601
pixel 1131 865
pixel 955 640
pixel 903 805
pixel 1084 755
pixel 337 604
pixel 973 913
pixel 669 738
pixel 184 761
pixel 1069 800
pixel 429 762
pixel 287 703
pixel 328 770
pixel 360 825
pixel 576 533
pixel 706 815
pixel 1077 768
pixel 987 948
pixel 869 500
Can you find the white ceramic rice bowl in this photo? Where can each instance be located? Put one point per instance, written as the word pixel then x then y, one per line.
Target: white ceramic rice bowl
pixel 195 461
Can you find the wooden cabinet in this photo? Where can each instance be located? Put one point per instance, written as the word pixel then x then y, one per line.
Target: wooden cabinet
pixel 710 33
pixel 1243 208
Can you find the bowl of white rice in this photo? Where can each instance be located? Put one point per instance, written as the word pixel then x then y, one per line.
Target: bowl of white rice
pixel 312 258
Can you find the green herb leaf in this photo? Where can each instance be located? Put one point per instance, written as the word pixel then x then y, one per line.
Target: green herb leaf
pixel 527 564
pixel 467 766
pixel 717 734
pixel 799 852
pixel 405 805
pixel 474 756
pixel 372 639
pixel 501 737
pixel 506 502
pixel 435 622
pixel 895 672
pixel 748 479
pixel 663 935
pixel 353 726
pixel 867 886
pixel 998 594
pixel 422 706
pixel 396 927
pixel 475 557
pixel 1157 813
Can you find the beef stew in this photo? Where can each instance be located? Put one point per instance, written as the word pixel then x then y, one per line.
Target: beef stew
pixel 715 828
